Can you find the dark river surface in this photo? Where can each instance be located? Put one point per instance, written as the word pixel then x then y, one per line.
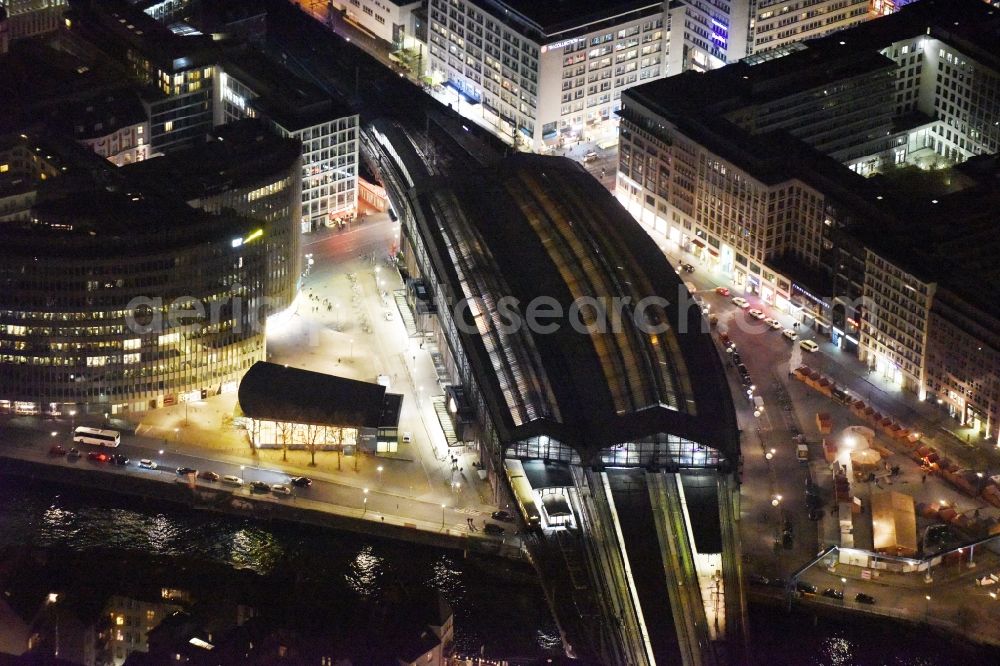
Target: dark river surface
pixel 496 614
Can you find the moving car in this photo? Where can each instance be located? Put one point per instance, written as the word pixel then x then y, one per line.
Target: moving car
pixel 790 334
pixel 773 323
pixel 809 345
pixel 208 476
pixel 96 456
pixel 722 291
pixel 146 463
pixel 505 516
pixel 755 313
pixel 590 157
pixel 57 450
pixel 493 529
pixel 301 482
pixel 279 489
pixel 687 268
pixel 231 480
pixel 184 471
pixel 741 302
pixel 863 598
pixel 120 459
pixel 831 593
pixel 259 487
pixel 73 453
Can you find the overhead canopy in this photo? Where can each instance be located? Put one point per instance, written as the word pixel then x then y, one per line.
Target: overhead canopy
pixel 278 393
pixel 556 506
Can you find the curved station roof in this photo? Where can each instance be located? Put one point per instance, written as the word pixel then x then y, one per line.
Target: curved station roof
pixel 533 233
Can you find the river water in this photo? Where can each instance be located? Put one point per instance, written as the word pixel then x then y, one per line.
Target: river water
pixel 494 614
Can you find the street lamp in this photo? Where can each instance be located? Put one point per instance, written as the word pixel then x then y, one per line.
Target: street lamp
pixel 352 348
pixel 442 515
pixel 927 605
pixel 379 470
pixel 72 414
pixel 364 503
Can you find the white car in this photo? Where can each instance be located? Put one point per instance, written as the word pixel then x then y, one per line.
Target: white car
pixel 590 157
pixel 231 480
pixel 407 438
pixel 279 489
pixel 790 334
pixel 755 313
pixel 146 463
pixel 741 302
pixel 809 345
pixel 773 323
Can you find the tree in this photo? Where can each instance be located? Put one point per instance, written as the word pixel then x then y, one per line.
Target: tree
pixel 312 435
pixel 285 430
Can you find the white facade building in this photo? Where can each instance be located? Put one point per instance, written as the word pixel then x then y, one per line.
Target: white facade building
pixel 389 20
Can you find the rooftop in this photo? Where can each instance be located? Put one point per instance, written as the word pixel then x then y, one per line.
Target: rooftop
pixel 242 155
pixel 552 17
pixel 540 227
pixel 288 100
pixel 278 393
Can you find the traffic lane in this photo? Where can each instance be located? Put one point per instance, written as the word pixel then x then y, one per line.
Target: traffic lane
pixel 341 495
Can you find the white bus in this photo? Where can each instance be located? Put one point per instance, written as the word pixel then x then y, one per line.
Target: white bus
pixel 96 437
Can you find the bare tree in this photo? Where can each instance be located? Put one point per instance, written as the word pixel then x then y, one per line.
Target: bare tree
pixel 285 430
pixel 312 435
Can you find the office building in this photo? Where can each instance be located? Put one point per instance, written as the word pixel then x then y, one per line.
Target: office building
pixel 541 73
pixel 755 169
pixel 778 23
pixel 135 297
pixel 392 21
pixel 251 85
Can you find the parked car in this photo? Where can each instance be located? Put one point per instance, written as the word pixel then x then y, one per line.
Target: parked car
pixel 407 438
pixel 757 579
pixel 119 459
pixel 755 313
pixel 687 268
pixel 590 157
pixel 259 487
pixel 809 345
pixel 805 588
pixel 777 582
pixel 281 489
pixel 57 450
pixel 790 334
pixel 208 475
pixel 815 514
pixel 773 323
pixel 73 453
pixel 863 598
pixel 98 456
pixel 493 529
pixel 722 291
pixel 737 359
pixel 505 516
pixel 831 593
pixel 231 480
pixel 146 463
pixel 301 482
pixel 741 302
pixel 184 471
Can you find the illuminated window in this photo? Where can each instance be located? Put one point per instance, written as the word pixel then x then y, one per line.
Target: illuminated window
pixel 132 343
pixel 168 126
pixel 4 168
pixel 120 620
pixel 132 358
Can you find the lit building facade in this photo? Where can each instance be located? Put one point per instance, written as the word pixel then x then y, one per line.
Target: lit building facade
pixel 253 87
pixel 391 21
pixel 134 299
pixel 777 23
pixel 28 18
pixel 542 72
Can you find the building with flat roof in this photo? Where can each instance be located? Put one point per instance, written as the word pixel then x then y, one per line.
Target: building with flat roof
pixel 20 19
pixel 756 169
pixel 778 23
pixel 120 294
pixel 392 21
pixel 251 85
pixel 539 72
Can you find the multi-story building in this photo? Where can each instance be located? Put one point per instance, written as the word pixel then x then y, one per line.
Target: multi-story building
pixel 778 23
pixel 391 21
pixel 755 169
pixel 540 73
pixel 27 18
pixel 113 125
pixel 119 295
pixel 706 34
pixel 250 85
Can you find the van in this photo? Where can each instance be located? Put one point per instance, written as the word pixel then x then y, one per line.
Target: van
pixel 809 345
pixel 790 334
